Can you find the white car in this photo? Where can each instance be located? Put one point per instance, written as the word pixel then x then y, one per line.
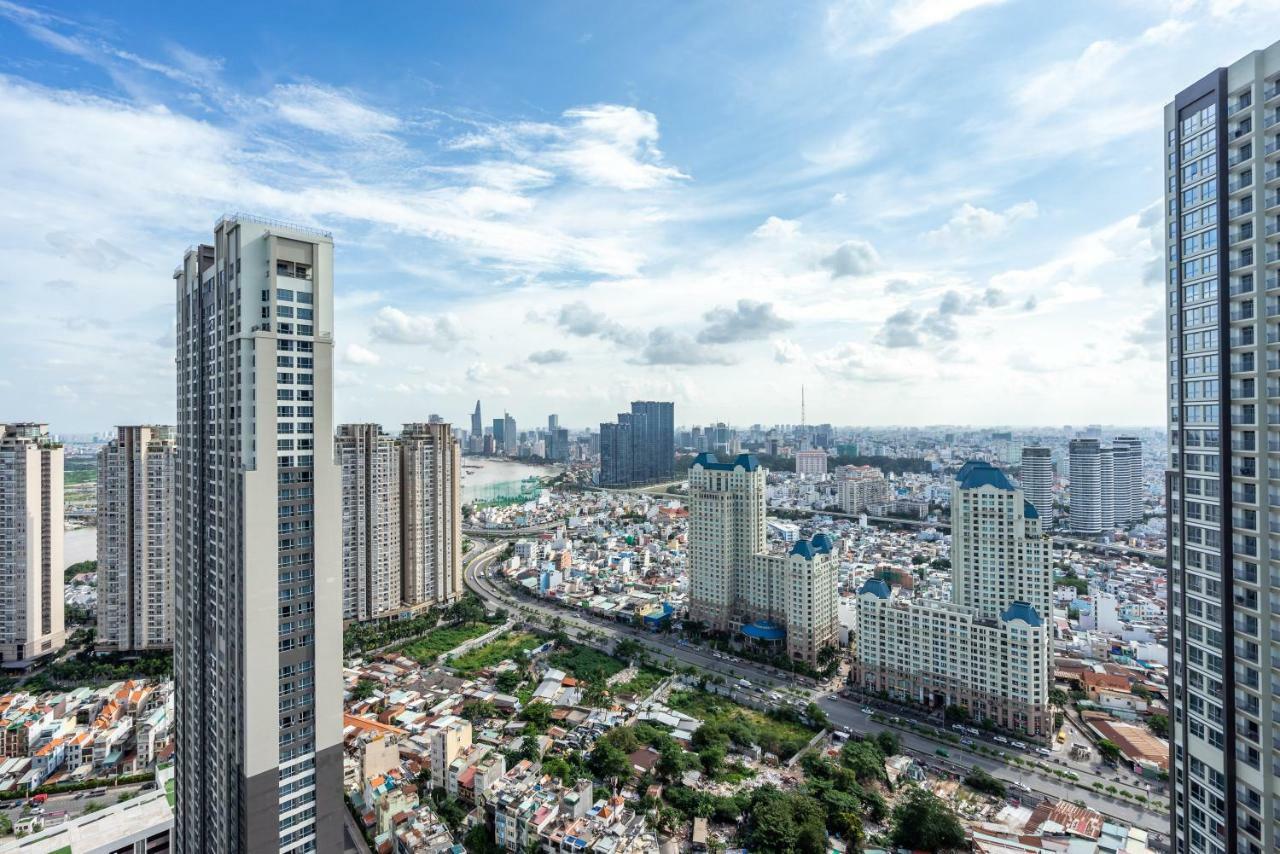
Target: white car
pixel 1023 786
pixel 957 727
pixel 866 710
pixel 1046 751
pixel 1018 744
pixel 1000 738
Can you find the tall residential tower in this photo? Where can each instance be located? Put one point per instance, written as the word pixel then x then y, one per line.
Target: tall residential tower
pixel 257 549
pixel 30 543
pixel 370 462
pixel 135 539
pixel 1036 476
pixel 431 514
pixel 1222 298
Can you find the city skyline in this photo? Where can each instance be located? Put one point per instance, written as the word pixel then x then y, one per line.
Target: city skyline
pixel 790 252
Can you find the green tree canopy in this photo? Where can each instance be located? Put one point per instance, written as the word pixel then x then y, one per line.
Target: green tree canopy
pixel 922 822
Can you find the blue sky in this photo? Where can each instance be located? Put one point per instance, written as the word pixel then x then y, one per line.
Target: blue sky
pixel 932 211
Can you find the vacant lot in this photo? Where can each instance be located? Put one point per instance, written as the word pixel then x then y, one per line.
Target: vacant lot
pixel 586 664
pixel 438 641
pixel 779 737
pixel 511 645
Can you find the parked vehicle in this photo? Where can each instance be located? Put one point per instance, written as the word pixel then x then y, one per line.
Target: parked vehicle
pixel 1018 744
pixel 1001 739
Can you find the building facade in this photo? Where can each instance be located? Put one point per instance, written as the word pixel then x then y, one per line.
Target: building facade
pixel 988 650
pixel 1085 462
pixel 1036 479
pixel 811 463
pixel 782 600
pixel 430 514
pixel 257 548
pixel 371 575
pixel 639 448
pixel 31 527
pixel 863 488
pixel 135 539
pixel 1222 203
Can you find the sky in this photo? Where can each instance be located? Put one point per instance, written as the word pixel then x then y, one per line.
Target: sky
pixel 924 212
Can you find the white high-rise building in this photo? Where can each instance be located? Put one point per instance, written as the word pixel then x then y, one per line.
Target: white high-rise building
pixel 257 550
pixel 988 650
pixel 1036 478
pixel 1222 203
pixel 1107 489
pixel 811 463
pixel 863 488
pixel 1085 458
pixel 783 601
pixel 370 462
pixel 431 514
pixel 1129 491
pixel 31 528
pixel 135 539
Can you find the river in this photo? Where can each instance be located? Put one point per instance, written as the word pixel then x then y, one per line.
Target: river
pixel 479 472
pixel 79 544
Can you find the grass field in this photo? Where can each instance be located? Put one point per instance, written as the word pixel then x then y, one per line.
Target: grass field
pixel 781 738
pixel 511 645
pixel 425 650
pixel 642 683
pixel 585 663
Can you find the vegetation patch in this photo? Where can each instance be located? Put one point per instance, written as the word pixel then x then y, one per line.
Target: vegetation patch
pixel 774 732
pixel 642 684
pixel 426 650
pixel 512 645
pixel 586 664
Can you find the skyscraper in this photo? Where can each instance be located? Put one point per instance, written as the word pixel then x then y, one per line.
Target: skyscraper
pixel 640 447
pixel 1107 489
pixel 615 451
pixel 431 515
pixel 510 435
pixel 988 650
pixel 553 423
pixel 30 543
pixel 1129 491
pixel 477 423
pixel 135 539
pixel 1221 138
pixel 783 601
pixel 1037 482
pixel 370 463
pixel 257 549
pixel 1085 468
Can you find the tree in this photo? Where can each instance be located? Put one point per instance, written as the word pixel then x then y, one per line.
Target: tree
pixel 508 681
pixel 609 763
pixel 916 560
pixel 940 563
pixel 1159 724
pixel 864 759
pixel 887 742
pixel 537 713
pixel 364 689
pixel 1109 750
pixel 671 764
pixel 712 758
pixel 816 715
pixel 980 781
pixel 922 822
pixel 477 841
pixel 1058 697
pixel 956 714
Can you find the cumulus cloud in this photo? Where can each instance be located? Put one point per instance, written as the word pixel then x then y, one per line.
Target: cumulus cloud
pixel 970 222
pixel 776 228
pixel 666 346
pixel 786 351
pixel 354 354
pixel 900 330
pixel 580 319
pixel 851 258
pixel 747 321
pixel 392 324
pixel 548 357
pixel 1031 304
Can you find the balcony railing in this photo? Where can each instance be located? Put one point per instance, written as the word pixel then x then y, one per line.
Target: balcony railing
pixel 1241 263
pixel 1240 286
pixel 1237 184
pixel 1241 208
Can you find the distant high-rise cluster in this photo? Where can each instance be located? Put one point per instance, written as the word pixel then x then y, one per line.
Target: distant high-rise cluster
pixel 1106 484
pixel 778 601
pixel 990 649
pixel 1037 481
pixel 31 524
pixel 639 447
pixel 135 539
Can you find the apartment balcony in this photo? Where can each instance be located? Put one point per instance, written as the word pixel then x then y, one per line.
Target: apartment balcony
pixel 1271 174
pixel 1240 156
pixel 1243 312
pixel 1245 232
pixel 1239 106
pixel 1245 443
pixel 1242 262
pixel 1243 182
pixel 1244 207
pixel 1273 256
pixel 1240 286
pixel 1271 148
pixel 1271 201
pixel 1242 363
pixel 1273 282
pixel 1271 120
pixel 1271 92
pixel 1272 229
pixel 1241 130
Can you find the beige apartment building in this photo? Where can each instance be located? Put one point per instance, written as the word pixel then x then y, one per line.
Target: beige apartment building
pixel 31 529
pixel 431 514
pixel 371 552
pixel 135 539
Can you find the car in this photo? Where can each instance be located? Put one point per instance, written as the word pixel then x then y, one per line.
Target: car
pixel 1001 739
pixel 1017 784
pixel 774 695
pixel 957 727
pixel 972 730
pixel 866 710
pixel 941 752
pixel 1046 751
pixel 967 742
pixel 1018 744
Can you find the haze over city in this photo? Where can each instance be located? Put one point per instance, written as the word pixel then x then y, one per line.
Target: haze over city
pixel 710 203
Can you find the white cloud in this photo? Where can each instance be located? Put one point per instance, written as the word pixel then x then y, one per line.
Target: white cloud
pixel 786 351
pixel 329 111
pixel 776 228
pixel 747 321
pixel 354 354
pixel 440 332
pixel 666 346
pixel 971 222
pixel 851 258
pixel 871 26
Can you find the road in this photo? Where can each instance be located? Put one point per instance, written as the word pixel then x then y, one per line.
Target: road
pixel 61 808
pixel 842 712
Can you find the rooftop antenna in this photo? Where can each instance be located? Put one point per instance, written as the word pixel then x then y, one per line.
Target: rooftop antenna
pixel 802 405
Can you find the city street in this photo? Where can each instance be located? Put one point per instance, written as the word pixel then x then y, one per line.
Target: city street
pixel 843 713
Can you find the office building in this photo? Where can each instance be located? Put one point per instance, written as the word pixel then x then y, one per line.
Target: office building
pixel 811 463
pixel 558 445
pixel 1085 466
pixel 1222 135
pixel 31 529
pixel 477 423
pixel 257 547
pixel 553 423
pixel 779 600
pixel 370 464
pixel 510 435
pixel 990 649
pixel 1036 477
pixel 430 514
pixel 640 448
pixel 135 539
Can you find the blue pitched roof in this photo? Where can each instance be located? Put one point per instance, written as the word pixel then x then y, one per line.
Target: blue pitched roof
pixel 976 473
pixel 1022 611
pixel 875 586
pixel 1029 510
pixel 764 630
pixel 709 461
pixel 822 542
pixel 803 548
